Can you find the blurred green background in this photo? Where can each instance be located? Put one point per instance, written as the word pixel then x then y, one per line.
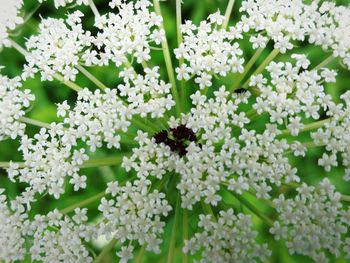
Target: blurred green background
pixel 49 93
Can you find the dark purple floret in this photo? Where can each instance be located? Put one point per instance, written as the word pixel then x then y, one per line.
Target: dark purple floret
pixel 179 140
pixel 182 133
pixel 161 136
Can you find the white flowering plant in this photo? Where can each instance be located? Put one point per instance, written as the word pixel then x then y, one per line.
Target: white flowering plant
pixel 174 131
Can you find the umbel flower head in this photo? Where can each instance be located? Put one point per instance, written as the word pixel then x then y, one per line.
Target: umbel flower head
pixel 220 140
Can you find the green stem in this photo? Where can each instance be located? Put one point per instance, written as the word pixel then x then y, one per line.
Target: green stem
pixel 184 232
pixel 228 13
pixel 207 209
pixel 105 251
pixel 168 63
pixel 93 8
pixel 247 68
pixel 19 48
pixel 308 127
pixel 35 122
pixel 174 232
pixel 83 203
pixel 252 208
pixel 106 161
pixel 146 127
pixel 345 198
pixel 325 62
pixel 5 165
pixel 141 254
pixel 263 65
pixel 91 77
pixel 68 83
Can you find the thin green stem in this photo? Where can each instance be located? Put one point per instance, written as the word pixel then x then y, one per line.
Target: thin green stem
pixel 308 127
pixel 91 77
pixel 35 122
pixel 93 8
pixel 184 232
pixel 247 68
pixel 252 208
pixel 19 48
pixel 5 165
pixel 228 13
pixel 105 161
pixel 68 83
pixel 83 203
pixel 263 65
pixel 105 251
pixel 345 198
pixel 168 62
pixel 97 162
pixel 144 127
pixel 174 232
pixel 325 62
pixel 141 254
pixel 207 209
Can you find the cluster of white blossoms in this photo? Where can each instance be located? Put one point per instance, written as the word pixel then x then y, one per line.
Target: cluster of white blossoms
pixel 230 238
pixel 208 49
pixel 216 147
pixel 58 238
pixel 292 91
pixel 11 238
pixel 133 213
pixel 13 103
pixel 126 34
pixel 335 136
pixel 9 18
pixel 53 237
pixel 285 21
pixel 313 221
pixel 146 94
pixel 250 160
pixel 48 50
pixel 53 153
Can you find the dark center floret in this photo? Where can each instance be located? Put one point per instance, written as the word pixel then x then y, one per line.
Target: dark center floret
pixel 177 139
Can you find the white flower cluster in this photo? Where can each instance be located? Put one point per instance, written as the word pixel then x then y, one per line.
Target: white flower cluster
pixel 146 94
pixel 332 30
pixel 9 19
pixel 251 161
pixel 285 21
pixel 57 238
pixel 48 51
pixel 13 102
pixel 229 239
pixel 11 239
pixel 133 213
pixel 129 33
pixel 48 238
pixel 97 117
pixel 335 136
pixel 292 92
pixel 54 154
pixel 208 50
pixel 312 222
pixel 62 3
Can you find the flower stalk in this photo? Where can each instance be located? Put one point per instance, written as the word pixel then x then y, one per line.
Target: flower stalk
pixel 168 63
